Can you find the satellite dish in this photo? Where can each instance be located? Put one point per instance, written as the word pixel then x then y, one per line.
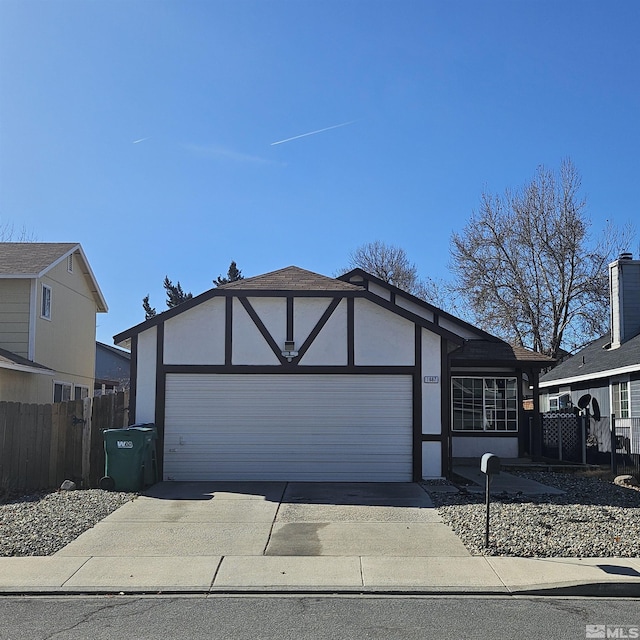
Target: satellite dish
pixel 584 401
pixel 596 409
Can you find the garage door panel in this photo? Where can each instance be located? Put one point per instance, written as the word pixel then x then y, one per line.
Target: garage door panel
pixel 288 427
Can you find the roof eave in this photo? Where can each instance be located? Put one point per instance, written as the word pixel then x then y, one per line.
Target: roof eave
pixel 427 305
pixel 14 366
pixel 594 375
pixel 101 303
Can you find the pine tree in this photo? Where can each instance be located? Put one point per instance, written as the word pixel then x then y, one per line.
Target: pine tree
pixel 233 274
pixel 175 294
pixel 149 311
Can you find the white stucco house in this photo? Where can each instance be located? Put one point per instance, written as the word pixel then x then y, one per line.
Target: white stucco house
pixel 292 375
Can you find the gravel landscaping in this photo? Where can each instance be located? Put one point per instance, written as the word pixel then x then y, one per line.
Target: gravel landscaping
pixel 42 523
pixel 594 518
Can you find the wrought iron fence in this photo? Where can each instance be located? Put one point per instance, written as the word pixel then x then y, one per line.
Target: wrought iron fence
pixel 625 445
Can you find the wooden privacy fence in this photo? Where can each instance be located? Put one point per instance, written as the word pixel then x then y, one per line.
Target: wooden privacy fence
pixel 42 445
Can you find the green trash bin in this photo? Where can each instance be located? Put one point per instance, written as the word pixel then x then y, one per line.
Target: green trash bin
pixel 150 463
pixel 125 454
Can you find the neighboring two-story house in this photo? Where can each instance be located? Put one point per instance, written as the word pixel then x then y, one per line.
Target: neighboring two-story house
pixel 49 298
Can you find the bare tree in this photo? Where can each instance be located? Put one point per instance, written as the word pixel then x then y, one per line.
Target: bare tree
pixel 8 233
pixel 387 262
pixel 527 268
pixel 391 264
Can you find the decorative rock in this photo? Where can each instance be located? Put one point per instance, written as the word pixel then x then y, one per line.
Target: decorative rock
pixel 39 524
pixel 626 481
pixel 68 485
pixel 593 518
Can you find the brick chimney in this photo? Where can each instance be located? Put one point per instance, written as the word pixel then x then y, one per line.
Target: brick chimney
pixel 624 295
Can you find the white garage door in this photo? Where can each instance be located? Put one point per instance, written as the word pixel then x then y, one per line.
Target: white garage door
pixel 288 427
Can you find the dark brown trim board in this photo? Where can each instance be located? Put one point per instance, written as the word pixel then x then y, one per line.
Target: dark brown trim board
pixel 277 350
pixel 445 408
pixel 160 396
pixel 228 331
pixel 133 379
pixel 324 318
pixel 351 331
pixel 417 406
pixel 288 368
pixel 290 332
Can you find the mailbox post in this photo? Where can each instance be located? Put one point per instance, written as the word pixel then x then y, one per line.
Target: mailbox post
pixel 489 465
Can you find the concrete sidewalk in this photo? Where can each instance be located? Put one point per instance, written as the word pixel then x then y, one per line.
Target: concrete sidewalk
pixel 207 538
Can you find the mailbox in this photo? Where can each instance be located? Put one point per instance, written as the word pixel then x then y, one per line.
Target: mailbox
pixel 490 464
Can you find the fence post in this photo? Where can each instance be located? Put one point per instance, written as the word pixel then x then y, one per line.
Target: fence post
pixel 583 434
pixel 559 438
pixel 86 442
pixel 614 460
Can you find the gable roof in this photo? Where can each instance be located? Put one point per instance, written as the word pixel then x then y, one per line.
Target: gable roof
pixel 281 282
pixel 485 348
pixel 441 313
pixel 596 360
pixel 291 279
pixel 35 259
pixel 101 346
pixel 9 360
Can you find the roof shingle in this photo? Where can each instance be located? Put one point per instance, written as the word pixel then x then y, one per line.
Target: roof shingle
pixel 292 279
pixel 30 258
pixel 497 351
pixel 596 358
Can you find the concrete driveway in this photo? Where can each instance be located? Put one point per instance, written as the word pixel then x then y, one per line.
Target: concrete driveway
pixel 273 519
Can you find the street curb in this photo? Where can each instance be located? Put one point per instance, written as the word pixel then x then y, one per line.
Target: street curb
pixel 587 590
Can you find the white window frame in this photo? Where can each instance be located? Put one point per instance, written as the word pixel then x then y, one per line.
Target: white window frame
pixel 47 296
pixel 620 406
pixel 84 391
pixel 489 410
pixel 63 385
pixel 560 405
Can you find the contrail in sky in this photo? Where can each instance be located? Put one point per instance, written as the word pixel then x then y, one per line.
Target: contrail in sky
pixel 138 141
pixel 313 133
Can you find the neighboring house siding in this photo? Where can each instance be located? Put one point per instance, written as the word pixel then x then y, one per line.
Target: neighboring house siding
pixel 18 386
pixel 601 394
pixel 634 396
pixel 111 366
pixel 599 389
pixel 66 342
pixel 14 315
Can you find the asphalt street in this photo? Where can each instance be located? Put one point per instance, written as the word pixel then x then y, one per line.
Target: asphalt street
pixel 318 618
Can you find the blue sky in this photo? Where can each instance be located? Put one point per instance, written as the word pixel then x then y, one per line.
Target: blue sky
pixel 444 99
